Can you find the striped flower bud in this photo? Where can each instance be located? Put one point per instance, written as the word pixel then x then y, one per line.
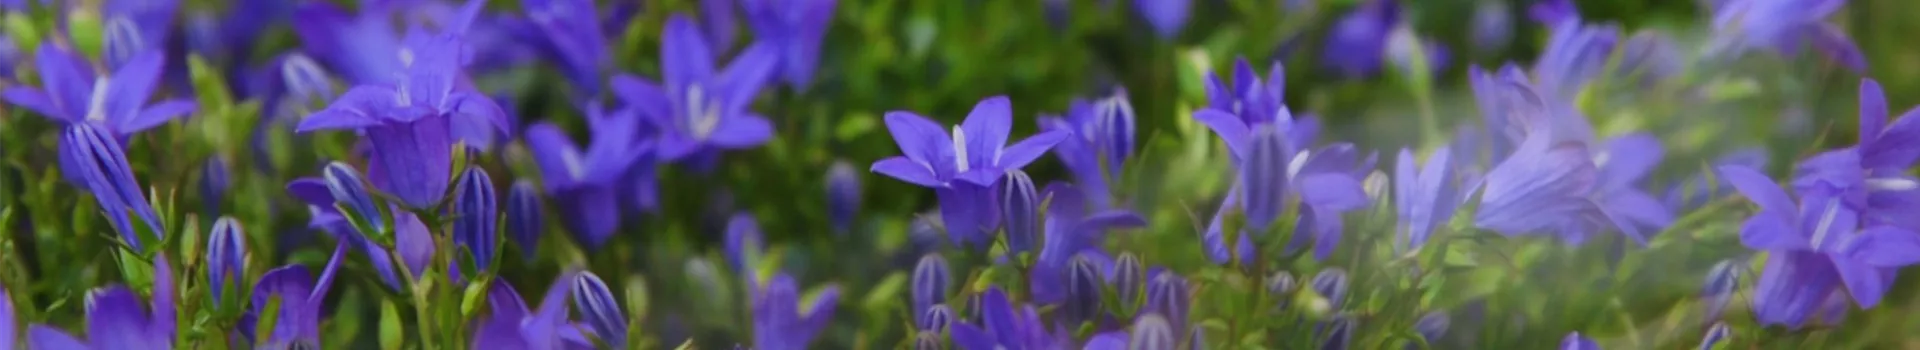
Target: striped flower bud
pixel 524 219
pixel 1264 173
pixel 1020 206
pixel 598 308
pixel 843 195
pixel 1151 332
pixel 226 253
pixel 1083 290
pixel 1332 284
pixel 935 319
pixel 1129 281
pixel 476 216
pixel 1167 296
pixel 350 193
pixel 931 279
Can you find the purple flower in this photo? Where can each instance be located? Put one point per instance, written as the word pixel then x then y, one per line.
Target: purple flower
pixel 1492 25
pixel 116 319
pixel 1167 296
pixel 327 217
pixel 1719 332
pixel 1358 40
pixel 301 300
pixel 1652 55
pixel 1433 325
pixel 1871 176
pixel 931 279
pixel 1002 324
pixel 1332 284
pixel 1553 12
pixel 1575 54
pixel 1785 27
pixel 71 94
pixel 1084 282
pixel 413 241
pixel 1152 332
pixel 1722 280
pixel 1551 183
pixel 1101 142
pixel 226 254
pixel 843 195
pixel 409 122
pixel 92 157
pixel 1815 247
pixel 1326 182
pixel 745 244
pixel 699 109
pixel 603 315
pixel 935 319
pixel 512 325
pixel 1129 280
pixel 1264 176
pixel 1425 199
pixel 1574 341
pixel 976 155
pixel 569 33
pixel 717 22
pixel 525 222
pixel 1234 112
pixel 1071 231
pixel 780 322
pixel 795 29
pixel 348 191
pixel 476 216
pixel 585 185
pixel 142 26
pixel 1166 16
pixel 8 326
pixel 1697 190
pixel 1623 162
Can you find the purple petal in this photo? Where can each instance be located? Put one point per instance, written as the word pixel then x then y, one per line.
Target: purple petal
pixel 641 94
pixel 46 337
pixel 1229 127
pixel 8 324
pixel 746 74
pixel 1758 188
pixel 1574 341
pixel 156 115
pixel 1833 44
pixel 591 213
pixel 1873 110
pixel 68 78
pixel 1863 281
pixel 359 108
pixel 559 161
pixel 1792 287
pixel 743 131
pixel 687 58
pixel 986 130
pixel 414 241
pixel 1769 231
pixel 115 317
pixel 1884 246
pixel 1337 192
pixel 1896 147
pixel 1629 158
pixel 997 314
pixel 415 160
pixel 1640 209
pixel 164 289
pixel 1026 151
pixel 967 337
pixel 923 141
pixel 130 86
pixel 968 211
pixel 906 170
pixel 1536 189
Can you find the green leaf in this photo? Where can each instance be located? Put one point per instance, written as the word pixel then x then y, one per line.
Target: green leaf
pixel 885 293
pixel 391 331
pixel 269 315
pixel 475 293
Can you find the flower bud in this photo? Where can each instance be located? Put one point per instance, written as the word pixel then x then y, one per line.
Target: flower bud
pixel 931 278
pixel 927 341
pixel 350 192
pixel 599 310
pixel 1332 284
pixel 1574 341
pixel 476 216
pixel 1338 334
pixel 1433 325
pixel 1113 126
pixel 1151 332
pixel 226 253
pixel 123 41
pixel 1721 281
pixel 1129 280
pixel 1167 296
pixel 1083 290
pixel 843 195
pixel 1020 206
pixel 1264 173
pixel 1715 335
pixel 935 319
pixel 214 182
pixel 524 219
pixel 93 157
pixel 307 83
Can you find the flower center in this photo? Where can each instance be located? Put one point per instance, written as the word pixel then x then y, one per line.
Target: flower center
pixel 960 149
pixel 1891 184
pixel 703 114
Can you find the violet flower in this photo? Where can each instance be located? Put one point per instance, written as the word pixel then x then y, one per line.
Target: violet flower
pixel 302 299
pixel 1575 54
pixel 409 122
pixel 1234 111
pixel 1152 332
pixel 1574 341
pixel 1871 177
pixel 1785 27
pixel 1425 199
pixel 71 94
pixel 327 218
pixel 116 319
pixel 1551 183
pixel 142 26
pixel 525 222
pixel 795 28
pixel 1815 247
pixel 477 216
pixel 585 185
pixel 93 158
pixel 1357 42
pixel 1071 230
pixel 8 325
pixel 1003 324
pixel 512 325
pixel 931 281
pixel 1101 142
pixel 700 110
pixel 962 168
pixel 843 196
pixel 569 33
pixel 780 322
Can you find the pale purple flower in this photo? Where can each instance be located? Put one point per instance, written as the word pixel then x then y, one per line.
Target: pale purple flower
pixel 1815 247
pixel 963 167
pixel 1426 199
pixel 1785 27
pixel 700 109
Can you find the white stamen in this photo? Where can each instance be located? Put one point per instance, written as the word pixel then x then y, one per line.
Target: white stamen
pixel 704 115
pixel 1600 159
pixel 1299 161
pixel 960 149
pixel 97 105
pixel 573 163
pixel 1891 184
pixel 1826 222
pixel 406 57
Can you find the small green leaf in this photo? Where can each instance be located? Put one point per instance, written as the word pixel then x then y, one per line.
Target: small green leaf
pixel 475 293
pixel 886 293
pixel 269 315
pixel 391 331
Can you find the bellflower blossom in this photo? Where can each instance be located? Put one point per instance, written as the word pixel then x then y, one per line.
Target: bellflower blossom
pixel 1326 182
pixel 1815 247
pixel 1357 42
pixel 1101 142
pixel 962 168
pixel 512 325
pixel 138 26
pixel 699 110
pixel 94 160
pixel 795 28
pixel 1872 177
pixel 1234 111
pixel 569 34
pixel 1071 230
pixel 409 123
pixel 780 322
pixel 1002 324
pixel 369 52
pixel 1558 180
pixel 1576 53
pixel 585 184
pixel 302 300
pixel 72 94
pixel 327 218
pixel 116 319
pixel 1785 27
pixel 1426 199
